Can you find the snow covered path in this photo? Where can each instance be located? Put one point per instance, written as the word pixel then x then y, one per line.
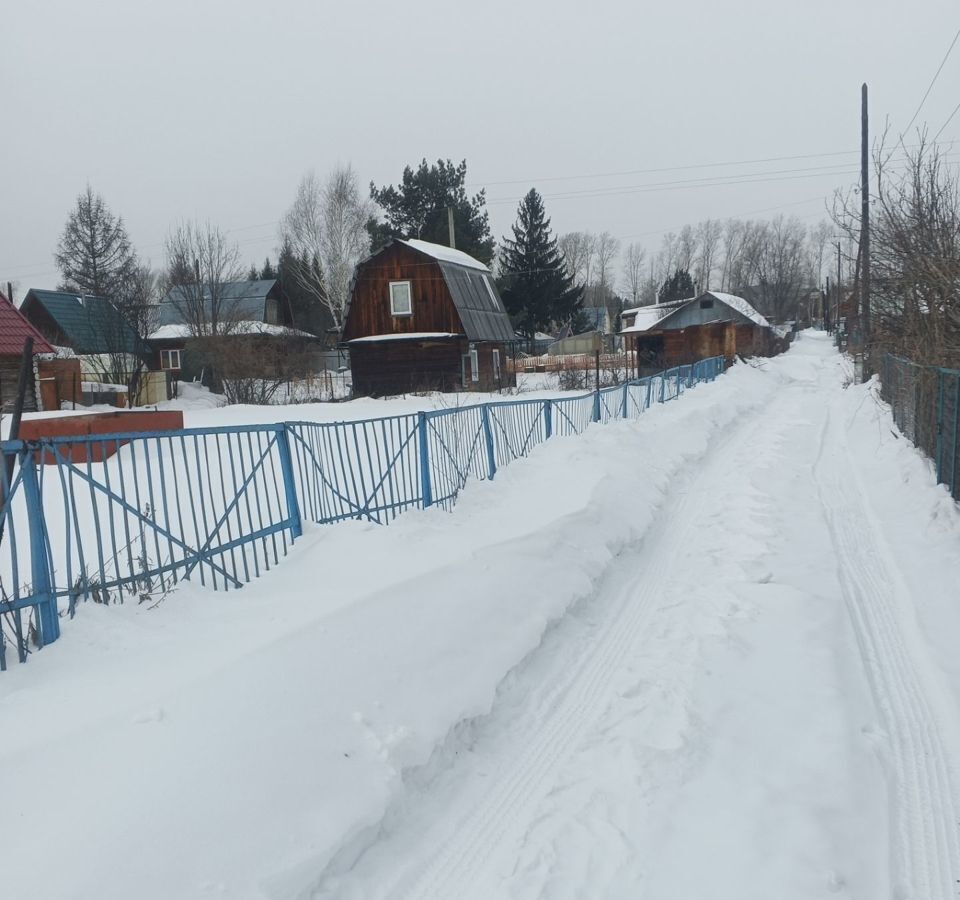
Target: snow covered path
pixel 707 654
pixel 744 709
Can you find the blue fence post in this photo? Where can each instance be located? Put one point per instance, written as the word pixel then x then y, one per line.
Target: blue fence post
pixel 626 388
pixel 42 586
pixel 547 419
pixel 424 460
pixel 289 485
pixel 596 405
pixel 488 440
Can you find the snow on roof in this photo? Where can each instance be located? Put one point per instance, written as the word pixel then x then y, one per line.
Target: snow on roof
pixel 742 307
pixel 646 316
pixel 181 331
pixel 409 336
pixel 446 254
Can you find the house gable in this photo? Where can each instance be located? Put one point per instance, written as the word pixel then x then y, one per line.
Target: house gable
pixel 450 293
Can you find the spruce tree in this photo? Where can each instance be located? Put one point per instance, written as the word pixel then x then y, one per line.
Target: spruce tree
pixel 678 286
pixel 537 290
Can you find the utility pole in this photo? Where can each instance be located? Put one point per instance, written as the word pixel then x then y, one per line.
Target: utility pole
pixel 837 318
pixel 453 240
pixel 865 217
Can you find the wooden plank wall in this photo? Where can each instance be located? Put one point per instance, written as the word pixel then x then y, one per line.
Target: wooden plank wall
pixel 433 308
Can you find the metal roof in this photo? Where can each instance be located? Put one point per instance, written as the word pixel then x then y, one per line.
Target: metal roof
pixel 90 324
pixel 475 296
pixel 443 253
pixel 239 299
pixel 14 329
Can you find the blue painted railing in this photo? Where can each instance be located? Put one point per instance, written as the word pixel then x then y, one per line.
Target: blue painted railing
pixel 122 517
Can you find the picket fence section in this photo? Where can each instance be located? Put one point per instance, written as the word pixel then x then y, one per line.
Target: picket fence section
pixel 124 517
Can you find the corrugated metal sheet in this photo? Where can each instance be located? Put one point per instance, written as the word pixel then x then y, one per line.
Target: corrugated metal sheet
pixel 91 324
pixel 479 305
pixel 242 299
pixel 14 329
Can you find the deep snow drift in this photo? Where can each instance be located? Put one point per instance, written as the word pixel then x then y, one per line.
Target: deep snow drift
pixel 705 654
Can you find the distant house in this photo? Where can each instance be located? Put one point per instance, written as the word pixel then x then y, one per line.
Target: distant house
pixel 14 330
pixel 253 310
pixel 425 316
pixel 598 319
pixel 88 325
pixel 681 332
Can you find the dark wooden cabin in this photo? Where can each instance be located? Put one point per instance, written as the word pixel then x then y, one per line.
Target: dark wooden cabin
pixel 426 317
pixel 682 332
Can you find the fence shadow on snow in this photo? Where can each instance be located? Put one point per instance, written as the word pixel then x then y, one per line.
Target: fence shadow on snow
pixel 124 517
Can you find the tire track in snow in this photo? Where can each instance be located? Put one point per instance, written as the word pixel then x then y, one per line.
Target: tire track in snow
pixel 925 851
pixel 465 865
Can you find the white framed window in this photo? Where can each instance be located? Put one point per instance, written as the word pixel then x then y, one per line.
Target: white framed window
pixel 496 365
pixel 474 366
pixel 401 303
pixel 170 359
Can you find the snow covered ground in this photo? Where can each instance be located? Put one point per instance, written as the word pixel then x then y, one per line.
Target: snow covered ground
pixel 707 654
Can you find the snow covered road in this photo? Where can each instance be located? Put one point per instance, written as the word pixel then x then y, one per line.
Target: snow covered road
pixel 710 654
pixel 740 711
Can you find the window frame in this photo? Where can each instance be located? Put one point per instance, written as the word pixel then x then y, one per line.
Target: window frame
pixel 393 309
pixel 474 365
pixel 169 358
pixel 497 372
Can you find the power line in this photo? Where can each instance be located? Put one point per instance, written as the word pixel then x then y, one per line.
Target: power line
pixel 945 124
pixel 932 83
pixel 710 165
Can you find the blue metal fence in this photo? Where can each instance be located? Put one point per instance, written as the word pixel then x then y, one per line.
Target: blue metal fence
pixel 925 401
pixel 124 517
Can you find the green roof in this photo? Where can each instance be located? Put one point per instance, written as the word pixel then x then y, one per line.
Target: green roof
pixel 91 324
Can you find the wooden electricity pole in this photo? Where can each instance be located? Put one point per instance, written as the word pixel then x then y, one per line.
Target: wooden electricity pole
pixel 865 217
pixel 453 239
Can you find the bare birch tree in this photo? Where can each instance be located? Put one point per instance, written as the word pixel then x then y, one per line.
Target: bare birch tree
pixel 577 249
pixel 633 272
pixel 326 227
pixel 344 239
pixel 708 236
pixel 200 263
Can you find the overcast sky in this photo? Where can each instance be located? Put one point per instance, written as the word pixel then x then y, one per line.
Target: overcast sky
pixel 213 110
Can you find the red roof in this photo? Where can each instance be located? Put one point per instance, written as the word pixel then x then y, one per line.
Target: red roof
pixel 14 328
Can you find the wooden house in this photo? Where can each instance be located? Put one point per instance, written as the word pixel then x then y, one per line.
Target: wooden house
pixel 426 317
pixel 684 331
pixel 14 330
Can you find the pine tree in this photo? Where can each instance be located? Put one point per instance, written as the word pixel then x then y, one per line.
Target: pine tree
pixel 268 271
pixel 417 208
pixel 678 286
pixel 537 291
pixel 253 274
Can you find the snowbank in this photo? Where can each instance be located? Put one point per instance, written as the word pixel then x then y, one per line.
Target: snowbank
pixel 234 743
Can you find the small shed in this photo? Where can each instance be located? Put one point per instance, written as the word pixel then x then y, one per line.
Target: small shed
pixel 14 330
pixel 711 324
pixel 426 317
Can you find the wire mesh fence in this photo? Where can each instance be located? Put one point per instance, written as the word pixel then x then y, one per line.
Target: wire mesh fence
pixel 925 401
pixel 124 517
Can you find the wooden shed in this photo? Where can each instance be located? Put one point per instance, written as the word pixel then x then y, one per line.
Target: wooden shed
pixel 14 330
pixel 682 332
pixel 426 317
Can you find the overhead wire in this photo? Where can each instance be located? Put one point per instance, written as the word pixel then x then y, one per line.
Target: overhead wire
pixel 933 81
